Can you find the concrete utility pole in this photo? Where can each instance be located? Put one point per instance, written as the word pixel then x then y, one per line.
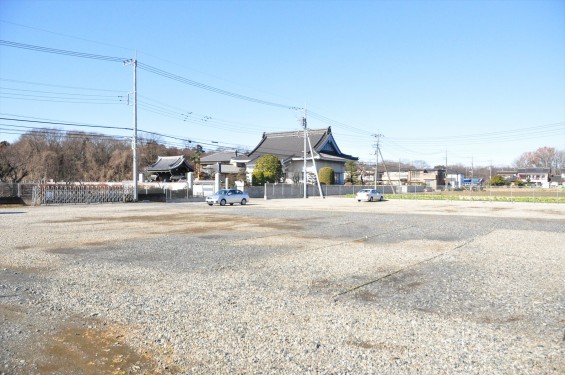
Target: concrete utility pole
pixel 388 174
pixel 134 140
pixel 446 172
pixel 315 169
pixel 305 179
pixel 376 145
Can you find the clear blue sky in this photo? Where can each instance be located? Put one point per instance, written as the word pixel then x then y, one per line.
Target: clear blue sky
pixel 478 81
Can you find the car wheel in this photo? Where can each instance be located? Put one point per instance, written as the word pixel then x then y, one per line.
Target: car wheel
pixel 370 199
pixel 243 202
pixel 381 198
pixel 210 204
pixel 223 202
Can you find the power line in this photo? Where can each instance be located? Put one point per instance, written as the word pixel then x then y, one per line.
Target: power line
pixel 65 123
pixel 216 90
pixel 61 51
pixel 62 93
pixel 329 121
pixel 178 78
pixel 71 134
pixel 61 86
pixel 210 143
pixel 513 134
pixel 55 99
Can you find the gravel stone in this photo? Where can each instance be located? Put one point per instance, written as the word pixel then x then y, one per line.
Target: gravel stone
pixel 327 286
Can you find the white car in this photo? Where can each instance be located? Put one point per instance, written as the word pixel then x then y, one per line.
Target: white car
pixel 368 195
pixel 230 196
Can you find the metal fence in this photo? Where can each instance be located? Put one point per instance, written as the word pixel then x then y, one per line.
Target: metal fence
pixel 76 194
pixel 37 194
pixel 280 191
pixel 16 193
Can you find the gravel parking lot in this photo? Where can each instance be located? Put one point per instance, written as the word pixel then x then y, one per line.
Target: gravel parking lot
pixel 283 286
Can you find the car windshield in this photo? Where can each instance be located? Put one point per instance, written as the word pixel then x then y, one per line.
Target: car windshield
pixel 222 192
pixel 365 191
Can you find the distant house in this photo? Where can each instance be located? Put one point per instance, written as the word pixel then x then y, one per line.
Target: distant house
pixel 428 177
pixel 535 176
pixel 224 162
pixel 169 168
pixel 509 176
pixel 289 148
pixel 557 180
pixel 454 179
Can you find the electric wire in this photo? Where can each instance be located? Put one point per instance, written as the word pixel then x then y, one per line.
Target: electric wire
pixel 55 99
pixel 338 124
pixel 30 130
pixel 62 52
pixel 63 123
pixel 210 143
pixel 62 93
pixel 60 86
pixel 405 143
pixel 213 89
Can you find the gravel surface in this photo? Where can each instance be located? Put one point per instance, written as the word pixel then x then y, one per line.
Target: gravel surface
pixel 283 286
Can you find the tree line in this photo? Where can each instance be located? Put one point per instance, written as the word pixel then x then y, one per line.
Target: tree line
pixel 53 154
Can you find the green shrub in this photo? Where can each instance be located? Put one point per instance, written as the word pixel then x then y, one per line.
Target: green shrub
pixel 326 176
pixel 257 178
pixel 270 168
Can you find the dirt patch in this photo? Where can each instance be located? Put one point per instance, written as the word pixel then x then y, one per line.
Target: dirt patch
pixel 92 231
pixel 397 349
pixel 499 319
pixel 184 219
pixel 95 351
pixel 11 311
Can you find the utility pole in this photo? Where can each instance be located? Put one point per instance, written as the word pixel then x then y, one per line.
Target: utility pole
pixel 315 168
pixel 134 140
pixel 445 177
pixel 472 172
pixel 388 174
pixel 490 178
pixel 376 145
pixel 304 171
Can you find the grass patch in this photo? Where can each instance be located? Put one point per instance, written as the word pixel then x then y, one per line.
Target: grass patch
pixel 519 196
pixel 484 198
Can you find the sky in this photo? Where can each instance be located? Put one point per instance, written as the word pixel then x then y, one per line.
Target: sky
pixel 467 82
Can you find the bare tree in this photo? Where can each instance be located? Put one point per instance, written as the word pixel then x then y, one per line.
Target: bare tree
pixel 543 157
pixel 13 164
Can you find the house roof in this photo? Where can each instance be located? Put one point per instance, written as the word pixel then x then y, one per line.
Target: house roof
pixel 168 163
pixel 290 145
pixel 533 170
pixel 222 168
pixel 220 157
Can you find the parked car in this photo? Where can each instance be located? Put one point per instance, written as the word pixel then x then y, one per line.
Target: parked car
pixel 230 196
pixel 368 195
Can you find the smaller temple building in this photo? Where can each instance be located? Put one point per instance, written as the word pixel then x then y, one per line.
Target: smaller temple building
pixel 169 168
